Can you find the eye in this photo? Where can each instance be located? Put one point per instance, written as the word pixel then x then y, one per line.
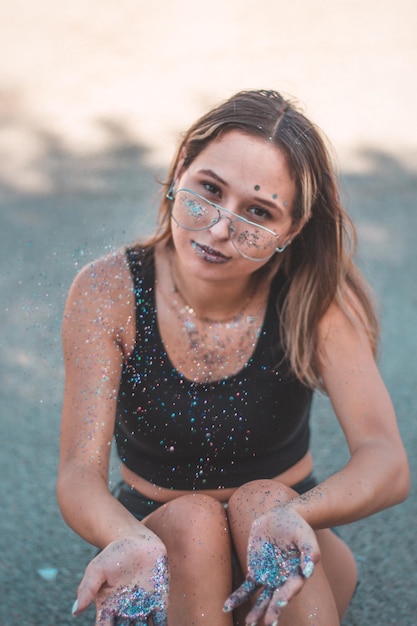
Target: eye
pixel 211 189
pixel 259 213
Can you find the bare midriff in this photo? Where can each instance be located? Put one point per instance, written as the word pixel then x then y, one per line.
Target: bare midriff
pixel 290 477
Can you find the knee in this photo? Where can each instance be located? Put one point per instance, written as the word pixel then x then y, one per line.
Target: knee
pixel 196 515
pixel 195 525
pixel 259 496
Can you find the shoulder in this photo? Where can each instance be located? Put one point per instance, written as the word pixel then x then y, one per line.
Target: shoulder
pixel 344 342
pixel 343 324
pixel 346 318
pixel 101 291
pixel 107 272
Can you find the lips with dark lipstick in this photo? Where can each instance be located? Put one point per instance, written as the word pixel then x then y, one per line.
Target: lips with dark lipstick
pixel 209 254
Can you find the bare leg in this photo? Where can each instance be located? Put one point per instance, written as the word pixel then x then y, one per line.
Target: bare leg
pixel 320 602
pixel 340 568
pixel 194 529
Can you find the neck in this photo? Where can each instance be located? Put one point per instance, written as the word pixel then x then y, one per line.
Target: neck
pixel 218 304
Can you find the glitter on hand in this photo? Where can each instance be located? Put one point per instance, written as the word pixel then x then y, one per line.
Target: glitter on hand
pixel 138 604
pixel 269 567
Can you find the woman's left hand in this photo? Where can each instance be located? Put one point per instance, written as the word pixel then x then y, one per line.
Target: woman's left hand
pixel 282 550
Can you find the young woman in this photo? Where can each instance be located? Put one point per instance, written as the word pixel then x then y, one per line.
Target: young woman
pixel 199 350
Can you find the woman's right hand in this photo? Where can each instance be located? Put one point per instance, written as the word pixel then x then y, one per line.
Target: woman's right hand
pixel 129 582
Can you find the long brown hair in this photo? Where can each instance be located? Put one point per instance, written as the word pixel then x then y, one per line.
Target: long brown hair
pixel 319 263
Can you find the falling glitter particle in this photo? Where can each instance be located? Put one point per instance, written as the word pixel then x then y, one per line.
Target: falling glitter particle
pixel 48 573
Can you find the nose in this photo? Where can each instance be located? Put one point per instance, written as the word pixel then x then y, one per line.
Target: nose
pixel 221 228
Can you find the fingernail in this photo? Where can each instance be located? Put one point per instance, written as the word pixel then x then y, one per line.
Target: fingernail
pixel 308 569
pixel 74 608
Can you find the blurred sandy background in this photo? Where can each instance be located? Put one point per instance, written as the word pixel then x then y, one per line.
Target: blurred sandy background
pixel 67 68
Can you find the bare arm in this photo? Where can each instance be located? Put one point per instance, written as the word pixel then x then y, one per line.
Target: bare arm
pixel 377 474
pixel 375 477
pixel 98 311
pixel 131 570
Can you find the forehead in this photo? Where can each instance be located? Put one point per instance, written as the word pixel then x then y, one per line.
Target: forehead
pixel 238 156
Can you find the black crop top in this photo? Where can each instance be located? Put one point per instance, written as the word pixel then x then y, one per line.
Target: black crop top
pixel 181 434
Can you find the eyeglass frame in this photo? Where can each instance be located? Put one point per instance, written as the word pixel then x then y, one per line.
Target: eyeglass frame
pixel 170 195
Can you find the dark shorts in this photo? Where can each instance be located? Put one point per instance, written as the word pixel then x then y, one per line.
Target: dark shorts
pixel 140 506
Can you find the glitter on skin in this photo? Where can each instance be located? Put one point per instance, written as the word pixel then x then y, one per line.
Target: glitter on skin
pixel 256 239
pixel 195 209
pixel 136 604
pixel 269 567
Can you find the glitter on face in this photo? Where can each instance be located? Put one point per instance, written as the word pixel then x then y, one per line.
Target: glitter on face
pixel 247 241
pixel 196 209
pixel 257 187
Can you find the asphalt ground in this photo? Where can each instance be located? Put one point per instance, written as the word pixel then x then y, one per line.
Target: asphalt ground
pixel 78 178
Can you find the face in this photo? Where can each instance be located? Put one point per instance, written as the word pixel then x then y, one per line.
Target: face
pixel 246 176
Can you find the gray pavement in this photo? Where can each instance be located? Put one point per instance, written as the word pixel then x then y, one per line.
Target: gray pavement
pixel 78 173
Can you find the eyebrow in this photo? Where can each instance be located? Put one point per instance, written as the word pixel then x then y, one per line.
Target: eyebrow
pixel 272 205
pixel 265 201
pixel 214 175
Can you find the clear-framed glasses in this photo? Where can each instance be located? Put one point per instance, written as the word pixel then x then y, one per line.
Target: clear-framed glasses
pixel 194 212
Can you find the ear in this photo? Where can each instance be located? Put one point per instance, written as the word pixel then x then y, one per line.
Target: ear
pixel 291 235
pixel 296 229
